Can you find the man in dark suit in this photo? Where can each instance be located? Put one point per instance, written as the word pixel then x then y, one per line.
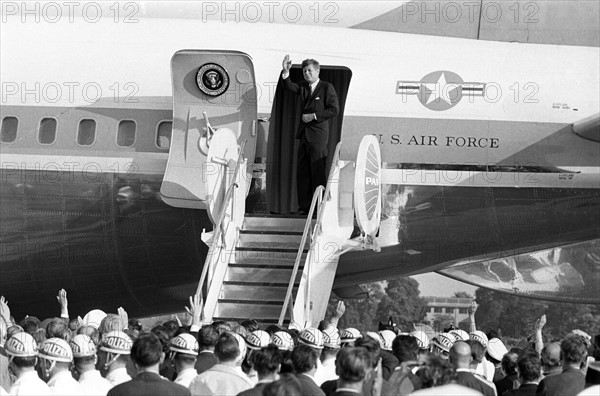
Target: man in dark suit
pixel 460 357
pixel 147 355
pixel 530 371
pixel 207 339
pixel 572 380
pixel 304 360
pixel 319 104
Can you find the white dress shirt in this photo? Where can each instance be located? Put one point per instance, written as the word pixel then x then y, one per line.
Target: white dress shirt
pixel 92 383
pixel 29 384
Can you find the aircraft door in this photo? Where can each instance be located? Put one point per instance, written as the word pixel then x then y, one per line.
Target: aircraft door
pixel 214 112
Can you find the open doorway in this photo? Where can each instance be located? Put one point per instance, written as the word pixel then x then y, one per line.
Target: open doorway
pixel 282 146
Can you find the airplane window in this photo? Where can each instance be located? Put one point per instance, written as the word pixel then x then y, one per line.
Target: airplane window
pixel 47 132
pixel 9 129
pixel 126 133
pixel 163 136
pixel 86 133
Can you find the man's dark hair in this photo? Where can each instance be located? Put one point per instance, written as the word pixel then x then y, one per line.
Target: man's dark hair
pixel 250 325
pixel 208 336
pixel 509 363
pixel 308 62
pixel 227 348
pixel 573 349
pixel 172 327
pixel 272 329
pixel 91 332
pixel 221 326
pixel 286 385
pixel 22 362
pixel 551 355
pixel 57 327
pixel 405 348
pixel 266 360
pixel 370 345
pixel 78 361
pixel 134 324
pixel 304 359
pixel 353 363
pixel 529 368
pixel 477 350
pixel 163 335
pixel 436 372
pixel 146 350
pixel 30 324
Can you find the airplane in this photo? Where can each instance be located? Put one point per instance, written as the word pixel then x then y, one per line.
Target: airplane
pixel 489 150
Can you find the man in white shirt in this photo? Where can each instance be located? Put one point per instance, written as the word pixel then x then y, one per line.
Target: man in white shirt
pixel 22 351
pixel 84 357
pixel 113 356
pixel 184 352
pixel 55 359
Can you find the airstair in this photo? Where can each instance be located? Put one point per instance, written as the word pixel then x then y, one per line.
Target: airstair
pixel 274 269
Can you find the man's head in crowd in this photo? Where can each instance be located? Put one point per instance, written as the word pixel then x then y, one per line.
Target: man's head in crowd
pixel 267 362
pixel 22 352
pixel 509 363
pixel 207 338
pixel 114 351
pixel 58 328
pixel 405 348
pixel 221 326
pixel 436 372
pixel 352 365
pixel 551 356
pixel 460 355
pixel 304 359
pixel 171 326
pixel 110 322
pixel 227 349
pixel 477 352
pixel 55 356
pixel 183 351
pixel 529 368
pixel 147 352
pixel 91 332
pixel 84 353
pixel 30 324
pixel 372 346
pixel 574 351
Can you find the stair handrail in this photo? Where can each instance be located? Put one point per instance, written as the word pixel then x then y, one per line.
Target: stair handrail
pixel 217 234
pixel 316 200
pixel 336 158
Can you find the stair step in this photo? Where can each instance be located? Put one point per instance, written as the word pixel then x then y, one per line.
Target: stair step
pixel 255 310
pixel 261 275
pixel 247 292
pixel 243 259
pixel 270 223
pixel 269 241
pixel 249 255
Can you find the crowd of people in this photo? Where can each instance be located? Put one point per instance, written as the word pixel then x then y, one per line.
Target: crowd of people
pixel 110 354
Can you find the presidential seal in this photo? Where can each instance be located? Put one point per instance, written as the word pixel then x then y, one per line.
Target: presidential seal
pixel 212 79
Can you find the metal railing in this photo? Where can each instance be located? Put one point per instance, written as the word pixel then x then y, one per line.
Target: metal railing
pixel 319 195
pixel 219 225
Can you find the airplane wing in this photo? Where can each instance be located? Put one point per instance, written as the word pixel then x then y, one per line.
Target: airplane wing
pixel 589 127
pixel 569 273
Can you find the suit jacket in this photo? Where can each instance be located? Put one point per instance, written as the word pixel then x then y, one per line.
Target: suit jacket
pixel 469 380
pixel 148 384
pixel 323 102
pixel 256 391
pixel 569 382
pixel 309 386
pixel 524 390
pixel 205 361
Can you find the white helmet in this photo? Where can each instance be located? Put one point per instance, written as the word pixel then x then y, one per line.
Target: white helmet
pixel 82 346
pixel 376 337
pixel 331 338
pixel 460 335
pixel 444 341
pixel 56 349
pixel 350 334
pixel 258 339
pixel 184 343
pixel 116 342
pixel 312 337
pixel 283 340
pixel 21 345
pixel 480 336
pixel 243 347
pixel 387 338
pixel 422 338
